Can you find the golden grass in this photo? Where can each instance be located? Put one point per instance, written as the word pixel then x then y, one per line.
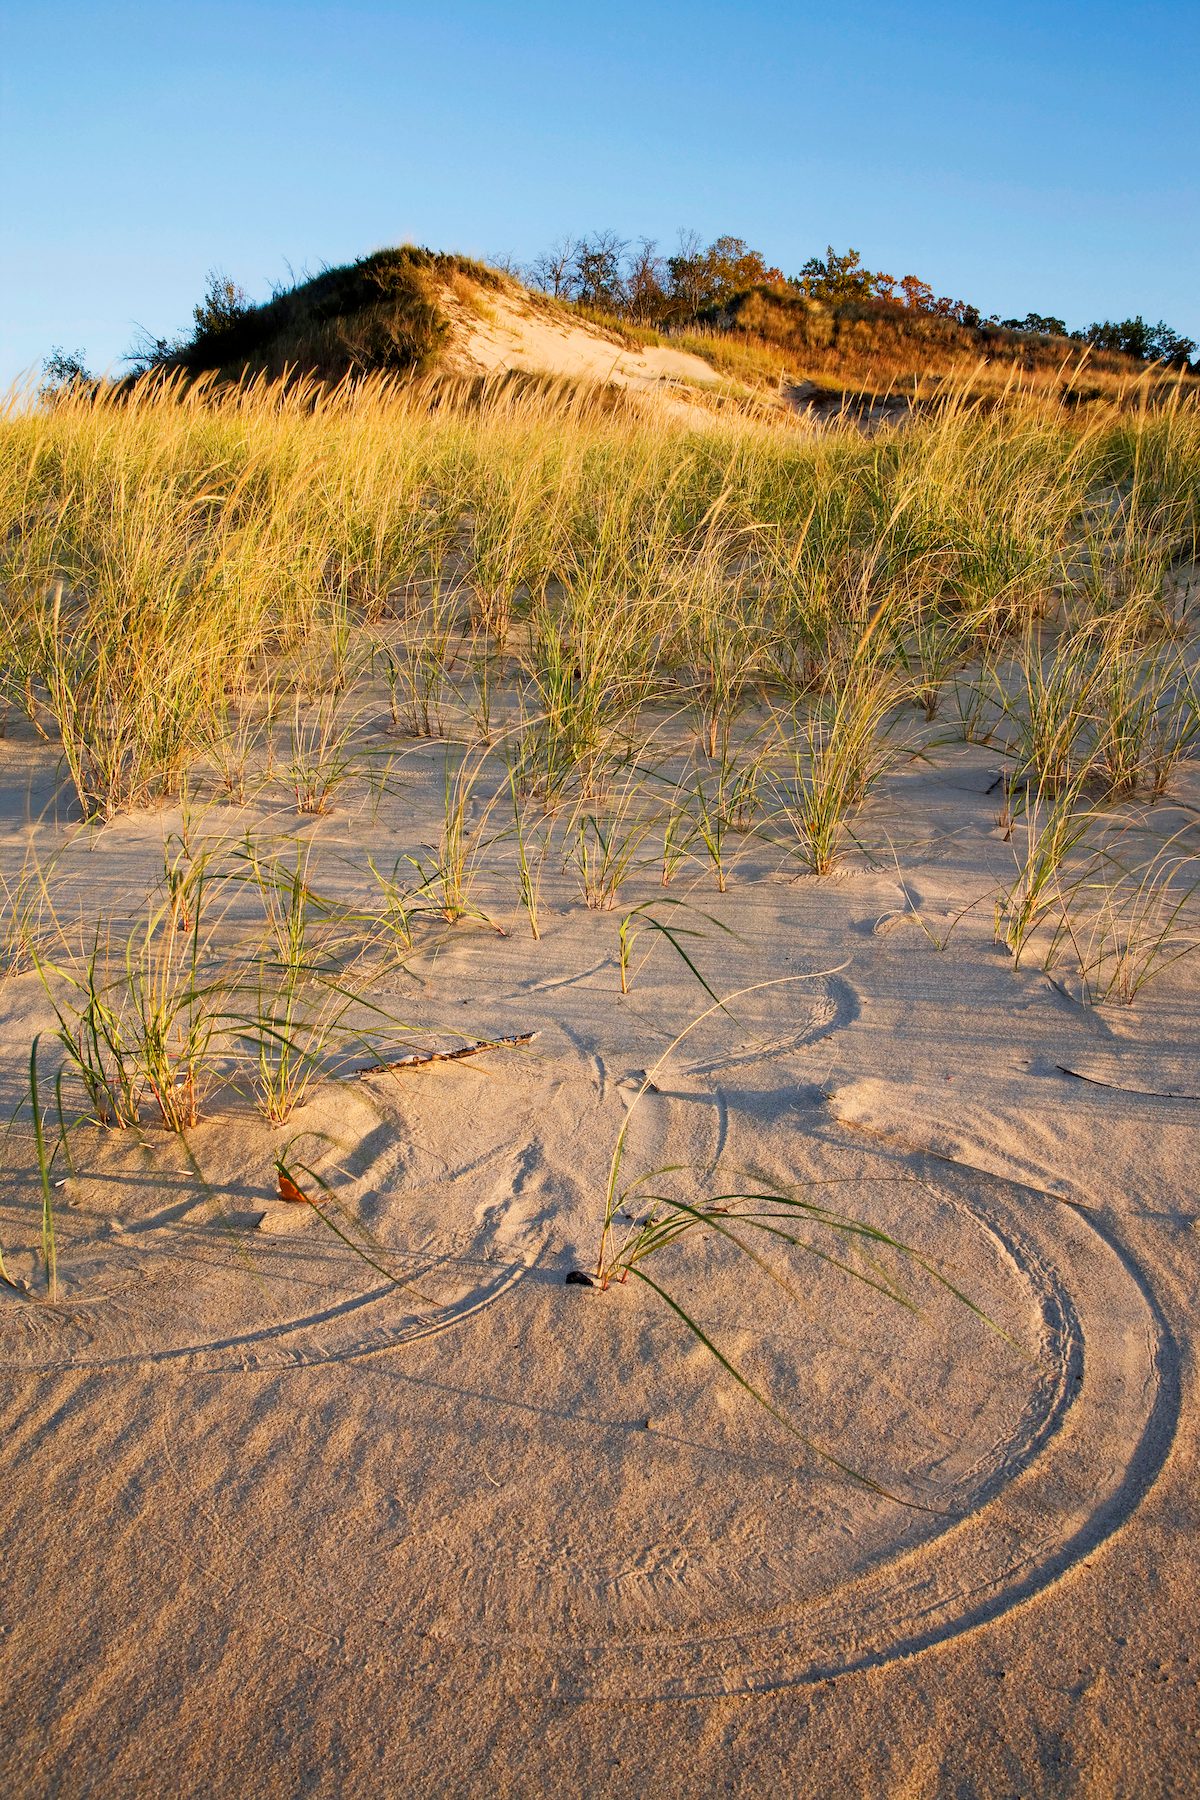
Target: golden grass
pixel 654 628
pixel 874 348
pixel 196 576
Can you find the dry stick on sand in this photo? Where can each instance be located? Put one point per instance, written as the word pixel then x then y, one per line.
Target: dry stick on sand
pixel 420 1057
pixel 1119 1087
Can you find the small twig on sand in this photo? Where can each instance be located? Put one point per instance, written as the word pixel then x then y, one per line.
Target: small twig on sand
pixel 1120 1088
pixel 420 1057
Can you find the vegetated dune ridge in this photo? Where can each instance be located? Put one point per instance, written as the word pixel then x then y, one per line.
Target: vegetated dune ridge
pixel 411 312
pixel 361 1496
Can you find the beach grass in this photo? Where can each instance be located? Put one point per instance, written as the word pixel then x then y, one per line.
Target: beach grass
pixel 646 645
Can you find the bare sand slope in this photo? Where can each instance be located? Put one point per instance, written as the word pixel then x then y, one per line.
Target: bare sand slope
pixel 511 331
pixel 277 1525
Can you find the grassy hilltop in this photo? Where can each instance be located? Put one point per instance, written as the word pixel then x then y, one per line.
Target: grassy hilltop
pixel 384 313
pixel 404 312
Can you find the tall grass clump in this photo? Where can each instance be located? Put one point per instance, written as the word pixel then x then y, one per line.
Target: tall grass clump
pixel 1126 920
pixel 137 572
pixel 139 1015
pixel 984 505
pixel 835 752
pixel 290 1015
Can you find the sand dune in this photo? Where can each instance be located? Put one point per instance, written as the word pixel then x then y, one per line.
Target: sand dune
pixel 510 330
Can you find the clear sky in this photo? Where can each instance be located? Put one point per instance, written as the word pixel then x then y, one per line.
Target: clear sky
pixel 1026 156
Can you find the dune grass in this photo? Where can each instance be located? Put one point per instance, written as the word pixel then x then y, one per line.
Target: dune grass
pixel 200 584
pixel 157 544
pixel 650 646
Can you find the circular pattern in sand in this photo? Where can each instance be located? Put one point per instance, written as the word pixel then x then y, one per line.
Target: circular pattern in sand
pixel 414 1229
pixel 603 1554
pixel 742 1598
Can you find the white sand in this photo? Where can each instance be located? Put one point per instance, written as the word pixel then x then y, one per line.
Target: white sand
pixel 276 1526
pixel 511 331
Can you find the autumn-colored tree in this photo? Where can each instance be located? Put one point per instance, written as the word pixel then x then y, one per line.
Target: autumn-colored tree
pixel 700 276
pixel 917 293
pixel 645 283
pixel 731 267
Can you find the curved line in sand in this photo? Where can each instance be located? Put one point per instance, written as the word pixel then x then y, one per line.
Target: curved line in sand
pixel 1117 1389
pixel 1037 1575
pixel 444 1320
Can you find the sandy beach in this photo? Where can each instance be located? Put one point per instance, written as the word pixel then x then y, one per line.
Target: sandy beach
pixel 279 1523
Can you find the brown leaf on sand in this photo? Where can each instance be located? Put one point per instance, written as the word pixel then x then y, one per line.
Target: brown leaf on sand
pixel 289 1191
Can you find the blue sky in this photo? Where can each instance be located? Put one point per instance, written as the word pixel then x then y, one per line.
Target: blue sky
pixel 1020 157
